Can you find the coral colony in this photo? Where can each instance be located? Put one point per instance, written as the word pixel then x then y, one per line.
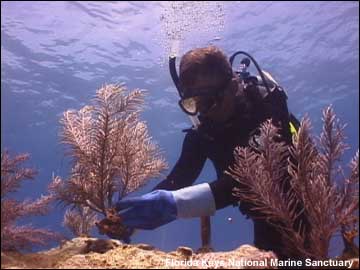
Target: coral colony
pixel 15 237
pixel 113 155
pixel 319 192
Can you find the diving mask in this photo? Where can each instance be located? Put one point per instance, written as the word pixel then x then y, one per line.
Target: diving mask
pixel 203 100
pixel 197 104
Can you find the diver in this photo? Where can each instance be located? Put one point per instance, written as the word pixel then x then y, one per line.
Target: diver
pixel 229 113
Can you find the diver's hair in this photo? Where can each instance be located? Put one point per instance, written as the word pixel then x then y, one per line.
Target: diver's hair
pixel 208 62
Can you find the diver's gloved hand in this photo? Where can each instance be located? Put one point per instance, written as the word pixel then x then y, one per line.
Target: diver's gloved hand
pixel 160 207
pixel 148 211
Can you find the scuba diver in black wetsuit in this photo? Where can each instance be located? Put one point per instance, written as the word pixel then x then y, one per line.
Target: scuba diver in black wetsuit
pixel 229 106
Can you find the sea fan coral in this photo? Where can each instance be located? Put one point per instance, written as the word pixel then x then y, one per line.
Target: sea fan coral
pixel 111 148
pixel 13 236
pixel 327 198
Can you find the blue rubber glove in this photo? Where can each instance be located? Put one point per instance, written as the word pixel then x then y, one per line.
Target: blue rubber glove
pixel 149 211
pixel 160 207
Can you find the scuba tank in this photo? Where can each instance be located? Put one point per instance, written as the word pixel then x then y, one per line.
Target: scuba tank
pixel 270 91
pixel 264 79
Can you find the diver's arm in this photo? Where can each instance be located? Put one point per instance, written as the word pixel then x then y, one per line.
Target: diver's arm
pixel 161 206
pixel 188 166
pixel 222 190
pixel 198 200
pixel 204 199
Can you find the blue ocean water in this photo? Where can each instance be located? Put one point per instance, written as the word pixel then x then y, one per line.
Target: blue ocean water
pixel 54 55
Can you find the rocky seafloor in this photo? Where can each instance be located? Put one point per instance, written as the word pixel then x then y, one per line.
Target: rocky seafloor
pixel 95 253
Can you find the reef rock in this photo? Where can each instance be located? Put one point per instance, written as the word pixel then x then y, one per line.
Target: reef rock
pixel 85 252
pixel 95 253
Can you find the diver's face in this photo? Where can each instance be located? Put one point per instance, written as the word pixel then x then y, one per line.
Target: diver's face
pixel 214 97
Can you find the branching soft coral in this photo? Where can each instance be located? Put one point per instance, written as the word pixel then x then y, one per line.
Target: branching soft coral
pixel 112 150
pixel 14 237
pixel 327 198
pixel 262 178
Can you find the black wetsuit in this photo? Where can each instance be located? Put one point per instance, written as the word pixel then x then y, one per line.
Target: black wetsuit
pixel 217 143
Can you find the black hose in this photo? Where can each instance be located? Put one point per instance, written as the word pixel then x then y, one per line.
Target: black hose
pixel 174 75
pixel 256 65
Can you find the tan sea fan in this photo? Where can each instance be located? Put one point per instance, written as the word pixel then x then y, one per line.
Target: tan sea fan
pixel 284 183
pixel 112 151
